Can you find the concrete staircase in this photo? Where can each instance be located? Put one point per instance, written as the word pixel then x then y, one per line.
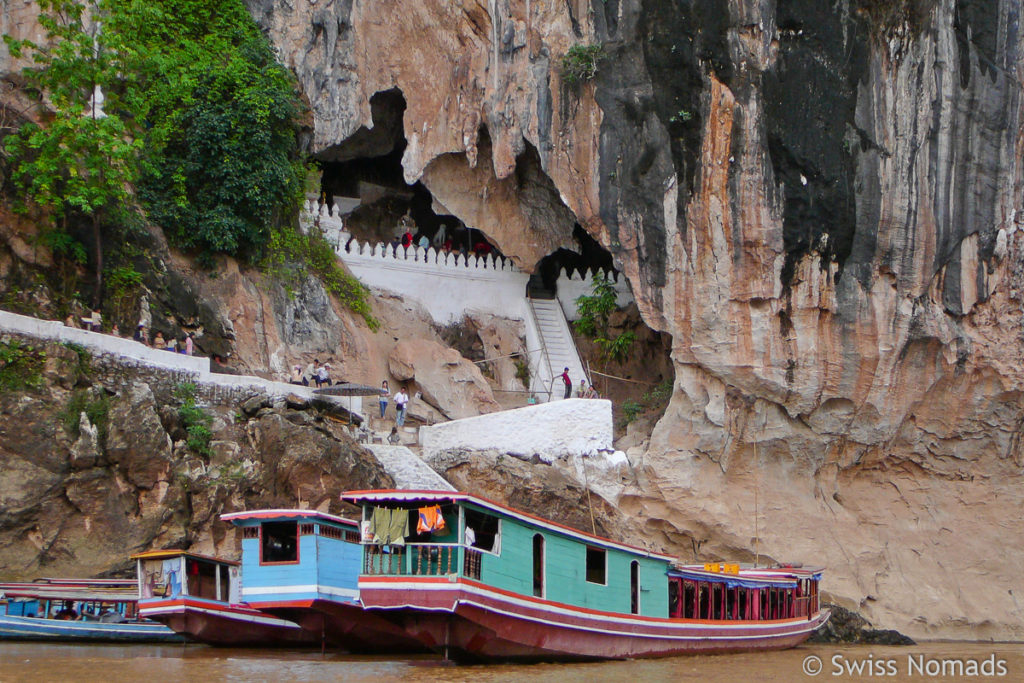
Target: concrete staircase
pixel 408 470
pixel 556 349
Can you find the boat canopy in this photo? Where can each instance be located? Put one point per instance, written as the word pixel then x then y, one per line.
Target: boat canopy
pixel 168 554
pixel 747 578
pixel 241 518
pixel 408 496
pixel 78 591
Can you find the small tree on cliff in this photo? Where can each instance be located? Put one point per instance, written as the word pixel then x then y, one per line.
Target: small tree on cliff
pixel 594 310
pixel 78 161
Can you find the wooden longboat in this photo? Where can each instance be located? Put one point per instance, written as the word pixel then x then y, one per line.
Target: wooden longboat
pixel 303 566
pixel 199 597
pixel 526 588
pixel 77 610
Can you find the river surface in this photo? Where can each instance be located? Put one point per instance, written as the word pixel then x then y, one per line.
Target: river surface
pixel 197 663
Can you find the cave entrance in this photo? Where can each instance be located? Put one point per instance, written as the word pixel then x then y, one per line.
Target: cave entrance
pixel 362 180
pixel 591 257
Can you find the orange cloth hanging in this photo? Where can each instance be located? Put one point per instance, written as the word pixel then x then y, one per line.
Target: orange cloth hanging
pixel 431 520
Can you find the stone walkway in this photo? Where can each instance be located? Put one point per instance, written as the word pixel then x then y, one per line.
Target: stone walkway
pixel 408 471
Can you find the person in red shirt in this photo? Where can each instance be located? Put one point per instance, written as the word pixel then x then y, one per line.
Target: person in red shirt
pixel 568 383
pixel 407 239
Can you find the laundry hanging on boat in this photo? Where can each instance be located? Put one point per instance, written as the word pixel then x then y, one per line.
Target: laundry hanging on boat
pixel 389 527
pixel 399 527
pixel 431 520
pixel 380 525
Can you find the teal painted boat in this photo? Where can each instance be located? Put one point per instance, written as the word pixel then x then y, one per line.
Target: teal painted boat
pixel 477 580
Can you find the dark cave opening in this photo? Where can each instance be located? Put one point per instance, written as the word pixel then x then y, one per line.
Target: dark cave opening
pixel 589 256
pixel 362 178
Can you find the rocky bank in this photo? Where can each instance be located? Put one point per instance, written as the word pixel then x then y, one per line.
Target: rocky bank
pixel 77 496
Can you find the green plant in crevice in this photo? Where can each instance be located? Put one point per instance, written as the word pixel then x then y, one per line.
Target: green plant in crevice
pixel 21 366
pixel 617 348
pixel 83 354
pixel 292 255
pixel 579 63
pixel 95 405
pixel 195 420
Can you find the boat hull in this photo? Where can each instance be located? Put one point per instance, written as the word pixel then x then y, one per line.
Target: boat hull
pixel 30 628
pixel 219 623
pixel 466 620
pixel 347 626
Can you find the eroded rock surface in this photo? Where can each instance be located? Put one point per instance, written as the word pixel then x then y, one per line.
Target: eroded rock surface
pixel 817 201
pixel 79 505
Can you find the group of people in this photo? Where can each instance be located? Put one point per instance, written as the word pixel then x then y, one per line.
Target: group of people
pixel 401 403
pixel 94 323
pixel 314 373
pixel 185 345
pixel 584 391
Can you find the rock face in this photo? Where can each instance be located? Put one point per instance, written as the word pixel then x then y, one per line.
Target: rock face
pixel 818 201
pixel 447 381
pixel 80 504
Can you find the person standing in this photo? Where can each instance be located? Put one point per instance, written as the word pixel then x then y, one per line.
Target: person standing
pixel 188 344
pixel 401 402
pixel 385 392
pixel 568 383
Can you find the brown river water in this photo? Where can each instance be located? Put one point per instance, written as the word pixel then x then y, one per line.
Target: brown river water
pixel 933 661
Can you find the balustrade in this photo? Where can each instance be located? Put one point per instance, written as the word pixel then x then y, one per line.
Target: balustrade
pixel 418 559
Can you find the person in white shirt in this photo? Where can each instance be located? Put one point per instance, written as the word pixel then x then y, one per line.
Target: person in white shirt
pixel 401 403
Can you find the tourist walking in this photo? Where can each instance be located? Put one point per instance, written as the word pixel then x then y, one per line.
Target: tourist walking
pixel 568 383
pixel 401 403
pixel 385 392
pixel 188 344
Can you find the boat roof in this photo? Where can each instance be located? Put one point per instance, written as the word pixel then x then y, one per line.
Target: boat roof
pixel 407 495
pixel 168 553
pixel 285 514
pixel 749 576
pixel 122 591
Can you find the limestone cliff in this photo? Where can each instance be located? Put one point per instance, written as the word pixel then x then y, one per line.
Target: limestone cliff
pixel 818 201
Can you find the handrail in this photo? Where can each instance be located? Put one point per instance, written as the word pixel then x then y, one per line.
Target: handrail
pixel 543 345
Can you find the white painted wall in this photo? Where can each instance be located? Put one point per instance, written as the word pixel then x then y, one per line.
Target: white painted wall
pixel 574 427
pixel 446 285
pixel 570 287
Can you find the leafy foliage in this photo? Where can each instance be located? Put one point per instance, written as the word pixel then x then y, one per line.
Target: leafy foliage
pixel 579 63
pixel 194 419
pixel 21 366
pixel 81 162
pixel 292 255
pixel 222 164
pixel 655 400
pixel 617 348
pixel 593 311
pixel 197 109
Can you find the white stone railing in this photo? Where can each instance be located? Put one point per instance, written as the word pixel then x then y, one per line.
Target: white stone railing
pixel 447 285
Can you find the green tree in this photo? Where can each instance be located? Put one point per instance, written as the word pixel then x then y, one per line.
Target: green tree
pixel 222 166
pixel 78 161
pixel 593 312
